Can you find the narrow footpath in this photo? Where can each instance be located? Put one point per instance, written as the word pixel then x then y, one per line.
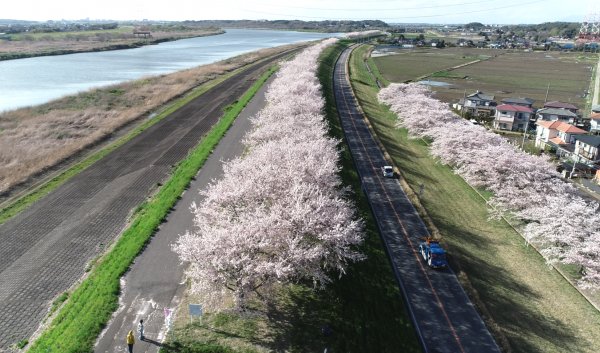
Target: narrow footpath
pixel 442 314
pixel 156 280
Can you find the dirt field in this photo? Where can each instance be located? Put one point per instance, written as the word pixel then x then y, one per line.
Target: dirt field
pixel 505 73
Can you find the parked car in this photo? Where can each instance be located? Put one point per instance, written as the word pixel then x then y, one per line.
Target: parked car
pixel 387 171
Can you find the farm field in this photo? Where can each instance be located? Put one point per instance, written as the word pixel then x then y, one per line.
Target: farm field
pixel 505 73
pixel 527 306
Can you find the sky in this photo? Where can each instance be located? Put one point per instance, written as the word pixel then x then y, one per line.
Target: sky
pixel 391 11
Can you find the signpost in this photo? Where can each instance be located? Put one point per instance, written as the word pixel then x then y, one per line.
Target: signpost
pixel 195 309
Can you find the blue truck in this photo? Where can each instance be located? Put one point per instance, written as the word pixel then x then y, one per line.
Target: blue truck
pixel 433 253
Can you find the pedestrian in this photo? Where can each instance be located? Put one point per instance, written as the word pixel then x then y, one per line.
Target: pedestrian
pixel 141 329
pixel 130 341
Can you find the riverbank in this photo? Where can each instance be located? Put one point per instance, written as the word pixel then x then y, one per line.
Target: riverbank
pixel 34 140
pixel 10 50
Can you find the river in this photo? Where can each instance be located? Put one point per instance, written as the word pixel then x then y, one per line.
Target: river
pixel 32 81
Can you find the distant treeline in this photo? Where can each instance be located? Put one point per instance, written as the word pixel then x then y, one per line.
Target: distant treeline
pixel 554 29
pixel 321 26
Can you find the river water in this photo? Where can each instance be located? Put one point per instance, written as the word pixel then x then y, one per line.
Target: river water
pixel 26 82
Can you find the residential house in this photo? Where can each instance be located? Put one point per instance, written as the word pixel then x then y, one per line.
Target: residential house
pixel 525 102
pixel 477 103
pixel 587 149
pixel 435 42
pixel 555 114
pixel 560 105
pixel 557 134
pixel 512 117
pixel 595 122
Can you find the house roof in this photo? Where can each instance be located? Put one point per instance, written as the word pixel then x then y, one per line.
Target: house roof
pixel 591 140
pixel 596 108
pixel 558 141
pixel 556 111
pixel 549 124
pixel 561 105
pixel 595 116
pixel 559 125
pixel 518 101
pixel 514 108
pixel 481 95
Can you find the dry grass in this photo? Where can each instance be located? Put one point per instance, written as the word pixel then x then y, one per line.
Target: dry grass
pixel 35 138
pixel 86 41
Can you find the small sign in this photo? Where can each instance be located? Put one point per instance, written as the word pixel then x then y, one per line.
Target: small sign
pixel 195 309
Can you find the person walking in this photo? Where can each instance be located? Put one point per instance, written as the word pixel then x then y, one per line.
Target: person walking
pixel 141 329
pixel 130 341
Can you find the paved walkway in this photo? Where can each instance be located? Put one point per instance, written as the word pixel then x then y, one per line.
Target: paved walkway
pixel 443 316
pixel 44 250
pixel 155 281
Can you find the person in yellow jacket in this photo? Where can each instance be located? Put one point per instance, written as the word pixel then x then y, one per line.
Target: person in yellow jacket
pixel 130 341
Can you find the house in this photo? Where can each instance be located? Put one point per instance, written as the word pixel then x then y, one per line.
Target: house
pixel 560 105
pixel 477 103
pixel 595 122
pixel 557 134
pixel 587 149
pixel 512 117
pixel 435 42
pixel 525 102
pixel 555 114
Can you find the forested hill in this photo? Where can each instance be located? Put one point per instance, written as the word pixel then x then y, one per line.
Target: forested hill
pixel 554 29
pixel 321 26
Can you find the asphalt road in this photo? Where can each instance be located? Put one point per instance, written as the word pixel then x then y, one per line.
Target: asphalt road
pixel 442 314
pixel 44 249
pixel 155 281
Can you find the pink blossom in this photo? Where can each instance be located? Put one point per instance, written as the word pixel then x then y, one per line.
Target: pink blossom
pixel 279 214
pixel 525 186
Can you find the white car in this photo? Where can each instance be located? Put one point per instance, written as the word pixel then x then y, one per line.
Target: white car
pixel 387 171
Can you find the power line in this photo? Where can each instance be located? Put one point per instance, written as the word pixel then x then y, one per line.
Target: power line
pixel 345 2
pixel 389 18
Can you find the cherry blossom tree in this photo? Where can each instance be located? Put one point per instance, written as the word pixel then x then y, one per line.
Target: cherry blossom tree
pixel 279 214
pixel 353 35
pixel 526 186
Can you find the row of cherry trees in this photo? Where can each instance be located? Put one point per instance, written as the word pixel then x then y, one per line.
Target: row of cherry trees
pixel 353 35
pixel 279 214
pixel 566 226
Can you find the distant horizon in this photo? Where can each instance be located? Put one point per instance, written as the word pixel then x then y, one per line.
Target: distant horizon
pixel 442 12
pixel 368 19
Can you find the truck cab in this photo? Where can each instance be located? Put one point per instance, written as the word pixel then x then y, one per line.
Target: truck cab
pixel 433 253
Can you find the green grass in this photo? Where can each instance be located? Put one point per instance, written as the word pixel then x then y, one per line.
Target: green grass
pixel 80 321
pixel 364 307
pixel 375 71
pixel 531 305
pixel 24 202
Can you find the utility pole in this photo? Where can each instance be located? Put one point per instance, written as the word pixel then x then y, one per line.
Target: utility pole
pixel 546 99
pixel 462 112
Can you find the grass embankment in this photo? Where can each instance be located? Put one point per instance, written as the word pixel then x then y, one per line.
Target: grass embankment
pixel 34 139
pixel 24 202
pixel 90 307
pixel 365 307
pixel 533 306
